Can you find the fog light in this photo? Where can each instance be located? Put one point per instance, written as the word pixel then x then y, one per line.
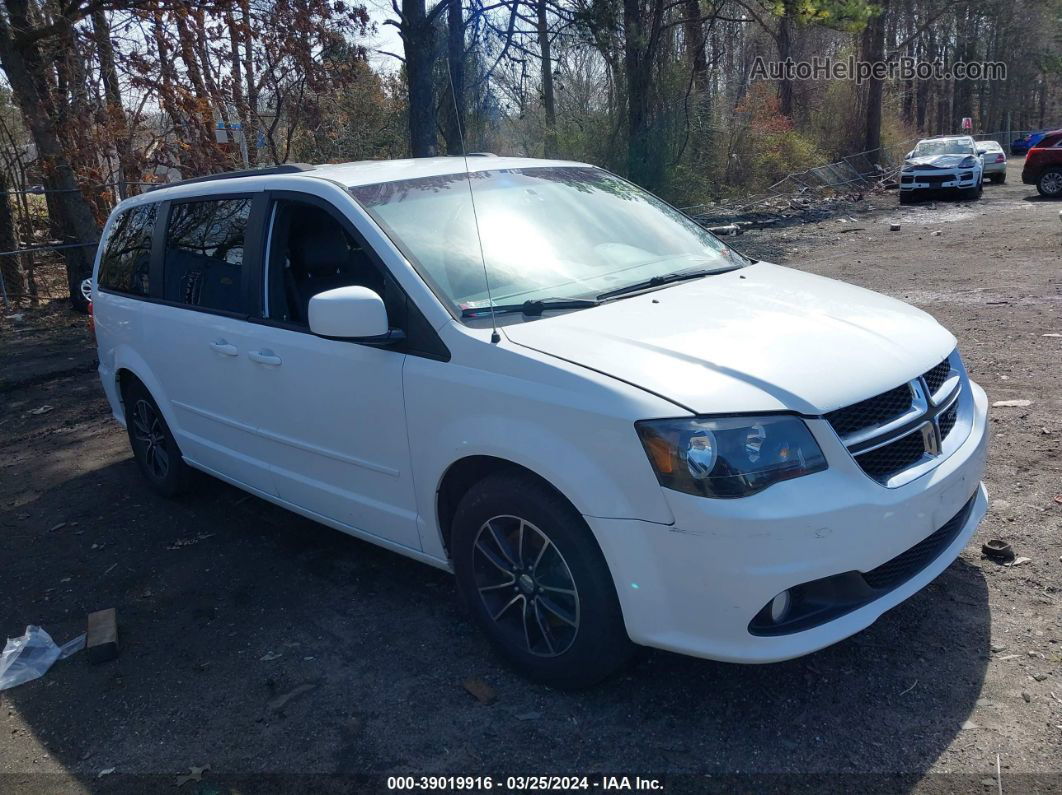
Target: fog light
pixel 780 606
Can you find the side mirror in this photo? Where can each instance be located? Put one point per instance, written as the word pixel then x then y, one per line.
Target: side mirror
pixel 348 313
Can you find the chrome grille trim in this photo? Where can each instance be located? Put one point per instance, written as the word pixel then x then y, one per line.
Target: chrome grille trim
pixel 928 406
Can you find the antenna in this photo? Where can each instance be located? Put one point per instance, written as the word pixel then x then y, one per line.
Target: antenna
pixel 495 337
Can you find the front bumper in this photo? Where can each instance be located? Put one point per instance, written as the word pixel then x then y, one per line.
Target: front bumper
pixel 694 587
pixel 938 179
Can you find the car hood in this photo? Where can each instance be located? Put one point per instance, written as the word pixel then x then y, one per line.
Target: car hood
pixel 937 161
pixel 761 338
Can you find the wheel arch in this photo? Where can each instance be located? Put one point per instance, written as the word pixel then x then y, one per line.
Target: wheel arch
pixel 130 366
pixel 465 473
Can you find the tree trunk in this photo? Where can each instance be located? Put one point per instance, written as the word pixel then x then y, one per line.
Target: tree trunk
pixel 454 131
pixel 70 214
pixel 116 118
pixel 549 138
pixel 14 283
pixel 640 39
pixel 785 53
pixel 419 41
pixel 700 89
pixel 250 130
pixel 874 51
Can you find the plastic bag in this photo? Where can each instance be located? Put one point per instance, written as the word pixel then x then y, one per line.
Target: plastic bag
pixel 29 657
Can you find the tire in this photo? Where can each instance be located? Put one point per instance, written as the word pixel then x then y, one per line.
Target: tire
pixel 555 579
pixel 1050 183
pixel 998 179
pixel 154 448
pixel 972 194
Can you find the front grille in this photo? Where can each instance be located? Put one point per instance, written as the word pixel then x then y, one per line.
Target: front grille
pixel 936 377
pixel 935 179
pixel 885 461
pixel 868 413
pixel 897 435
pixel 894 573
pixel 946 421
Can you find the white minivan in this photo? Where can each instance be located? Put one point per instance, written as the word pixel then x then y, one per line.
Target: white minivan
pixel 614 429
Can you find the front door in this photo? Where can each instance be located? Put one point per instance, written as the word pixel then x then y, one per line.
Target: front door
pixel 335 418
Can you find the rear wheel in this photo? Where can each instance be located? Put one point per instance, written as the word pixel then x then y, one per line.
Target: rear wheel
pixel 1050 183
pixel 536 583
pixel 998 179
pixel 154 447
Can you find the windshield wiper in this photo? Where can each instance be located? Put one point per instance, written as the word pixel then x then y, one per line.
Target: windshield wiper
pixel 530 308
pixel 660 281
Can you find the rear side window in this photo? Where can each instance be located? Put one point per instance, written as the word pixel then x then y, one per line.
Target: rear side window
pixel 126 260
pixel 204 254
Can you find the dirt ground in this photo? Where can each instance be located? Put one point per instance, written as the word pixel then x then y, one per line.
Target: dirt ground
pixel 256 642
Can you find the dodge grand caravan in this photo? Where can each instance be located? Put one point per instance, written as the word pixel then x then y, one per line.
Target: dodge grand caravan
pixel 611 427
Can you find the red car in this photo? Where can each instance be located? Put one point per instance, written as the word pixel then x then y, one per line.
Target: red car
pixel 1043 165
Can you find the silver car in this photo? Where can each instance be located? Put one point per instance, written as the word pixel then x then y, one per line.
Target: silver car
pixel 995 161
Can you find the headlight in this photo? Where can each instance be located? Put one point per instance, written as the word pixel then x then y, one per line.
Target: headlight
pixel 729 457
pixel 968 162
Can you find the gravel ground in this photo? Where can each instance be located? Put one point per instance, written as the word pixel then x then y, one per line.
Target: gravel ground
pixel 257 642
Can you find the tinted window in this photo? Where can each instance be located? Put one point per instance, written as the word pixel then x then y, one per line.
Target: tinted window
pixel 127 257
pixel 204 253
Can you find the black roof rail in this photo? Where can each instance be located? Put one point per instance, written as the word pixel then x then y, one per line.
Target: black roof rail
pixel 286 168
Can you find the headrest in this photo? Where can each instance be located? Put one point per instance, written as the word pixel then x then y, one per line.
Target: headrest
pixel 319 245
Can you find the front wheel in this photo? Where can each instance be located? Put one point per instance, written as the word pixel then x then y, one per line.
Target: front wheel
pixel 998 179
pixel 536 583
pixel 1050 183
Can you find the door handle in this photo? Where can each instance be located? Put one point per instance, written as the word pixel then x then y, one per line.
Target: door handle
pixel 265 357
pixel 224 348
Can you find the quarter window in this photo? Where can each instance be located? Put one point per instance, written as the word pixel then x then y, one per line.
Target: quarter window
pixel 126 260
pixel 204 254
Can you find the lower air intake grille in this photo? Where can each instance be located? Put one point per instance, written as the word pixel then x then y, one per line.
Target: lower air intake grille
pixel 868 413
pixel 906 565
pixel 887 460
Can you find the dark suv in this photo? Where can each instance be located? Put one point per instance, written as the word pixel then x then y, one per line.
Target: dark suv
pixel 1043 165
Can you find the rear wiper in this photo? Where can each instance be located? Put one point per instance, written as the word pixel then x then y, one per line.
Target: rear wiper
pixel 659 281
pixel 530 308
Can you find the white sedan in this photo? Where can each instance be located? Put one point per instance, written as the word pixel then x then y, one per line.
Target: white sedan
pixel 948 163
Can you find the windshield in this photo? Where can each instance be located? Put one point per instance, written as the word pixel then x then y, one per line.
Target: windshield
pixel 953 147
pixel 547 232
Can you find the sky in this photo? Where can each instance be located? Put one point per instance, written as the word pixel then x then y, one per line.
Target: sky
pixel 386 37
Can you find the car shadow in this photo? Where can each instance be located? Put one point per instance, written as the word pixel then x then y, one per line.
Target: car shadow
pixel 260 643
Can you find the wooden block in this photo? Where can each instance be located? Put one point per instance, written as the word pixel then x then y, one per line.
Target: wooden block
pixel 101 637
